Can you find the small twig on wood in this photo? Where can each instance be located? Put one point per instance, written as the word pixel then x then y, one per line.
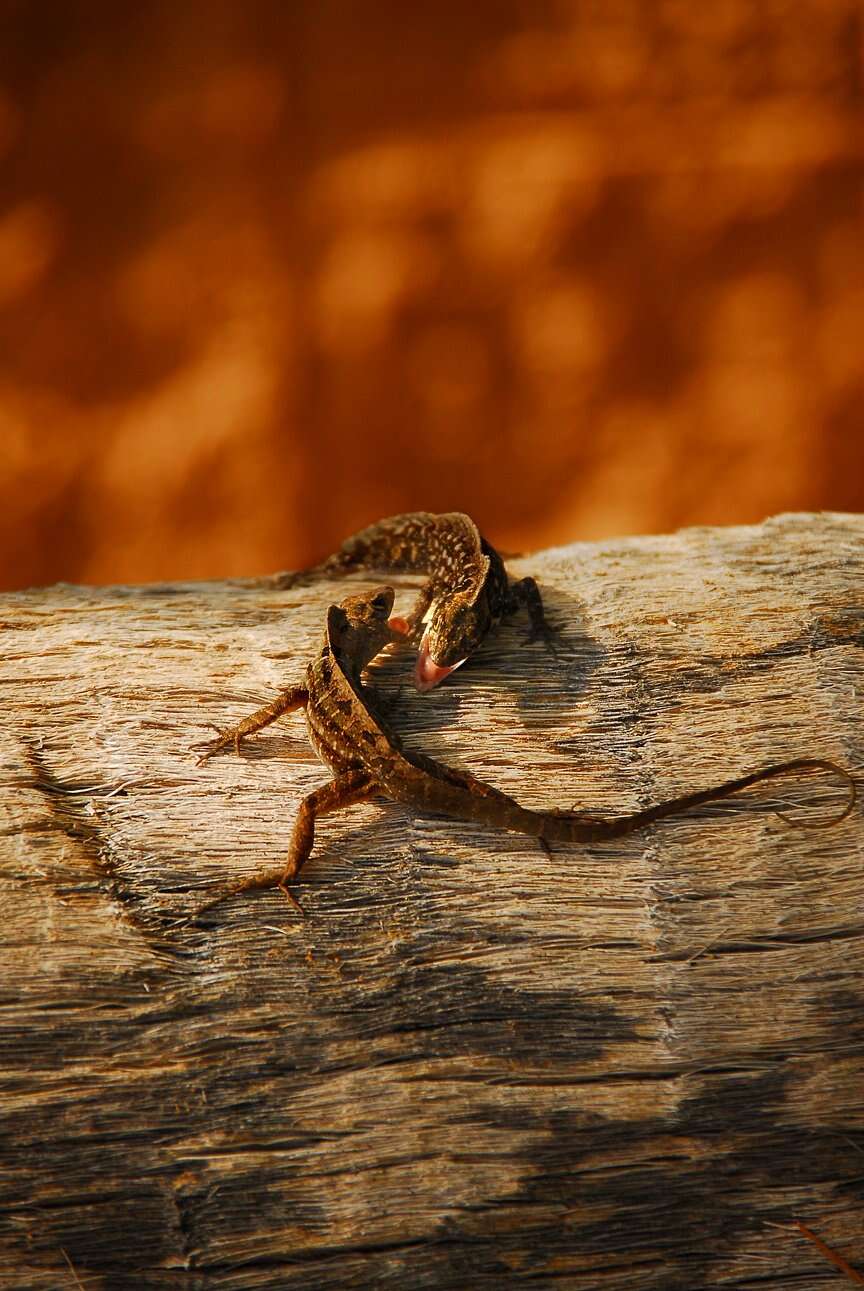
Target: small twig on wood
pixel 79 1284
pixel 831 1255
pixel 852 1274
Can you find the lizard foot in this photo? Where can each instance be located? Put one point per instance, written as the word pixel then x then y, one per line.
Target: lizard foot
pixel 292 900
pixel 208 747
pixel 239 889
pixel 546 632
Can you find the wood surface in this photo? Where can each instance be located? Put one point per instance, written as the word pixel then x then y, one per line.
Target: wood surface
pixel 631 1065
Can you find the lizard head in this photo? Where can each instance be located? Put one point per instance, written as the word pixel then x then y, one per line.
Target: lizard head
pixel 459 623
pixel 359 627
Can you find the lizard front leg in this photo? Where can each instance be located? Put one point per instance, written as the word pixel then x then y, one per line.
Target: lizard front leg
pixel 526 594
pixel 285 702
pixel 344 791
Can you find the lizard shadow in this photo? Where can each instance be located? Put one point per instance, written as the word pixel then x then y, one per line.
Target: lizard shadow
pixel 544 684
pixel 550 679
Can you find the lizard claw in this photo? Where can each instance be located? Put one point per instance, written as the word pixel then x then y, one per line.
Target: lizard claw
pixel 239 889
pixel 208 747
pixel 283 887
pixel 545 632
pixel 210 726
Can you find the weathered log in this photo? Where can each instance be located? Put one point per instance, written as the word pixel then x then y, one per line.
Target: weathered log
pixel 471 1065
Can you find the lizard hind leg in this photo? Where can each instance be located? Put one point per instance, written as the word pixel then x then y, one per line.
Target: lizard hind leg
pixel 344 791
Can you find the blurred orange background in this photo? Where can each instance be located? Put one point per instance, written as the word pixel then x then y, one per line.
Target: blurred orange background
pixel 270 271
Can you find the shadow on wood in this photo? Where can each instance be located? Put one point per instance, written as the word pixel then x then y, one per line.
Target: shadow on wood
pixel 471 1065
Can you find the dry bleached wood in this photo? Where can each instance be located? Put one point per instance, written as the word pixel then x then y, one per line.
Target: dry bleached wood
pixel 471 1065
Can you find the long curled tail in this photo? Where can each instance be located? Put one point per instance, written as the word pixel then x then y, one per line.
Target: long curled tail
pixel 576 827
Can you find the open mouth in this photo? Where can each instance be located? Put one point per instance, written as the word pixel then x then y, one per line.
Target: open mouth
pixel 427 673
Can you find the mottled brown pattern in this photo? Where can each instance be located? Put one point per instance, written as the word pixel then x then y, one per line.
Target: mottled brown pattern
pixel 369 758
pixel 467 592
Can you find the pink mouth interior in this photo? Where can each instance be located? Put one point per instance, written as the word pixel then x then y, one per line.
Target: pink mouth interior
pixel 427 673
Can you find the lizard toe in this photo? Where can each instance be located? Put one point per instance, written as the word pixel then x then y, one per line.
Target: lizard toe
pixel 292 900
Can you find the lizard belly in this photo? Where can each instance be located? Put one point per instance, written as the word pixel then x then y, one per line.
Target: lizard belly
pixel 333 746
pixel 328 716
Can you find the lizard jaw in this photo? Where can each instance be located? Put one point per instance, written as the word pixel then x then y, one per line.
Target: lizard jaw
pixel 427 673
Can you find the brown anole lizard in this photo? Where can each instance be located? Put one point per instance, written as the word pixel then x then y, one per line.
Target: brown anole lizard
pixel 349 733
pixel 467 587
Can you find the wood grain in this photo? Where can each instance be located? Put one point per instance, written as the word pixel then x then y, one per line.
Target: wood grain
pixel 471 1065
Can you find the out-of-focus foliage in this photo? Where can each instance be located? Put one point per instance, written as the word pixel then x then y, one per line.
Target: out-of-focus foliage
pixel 269 271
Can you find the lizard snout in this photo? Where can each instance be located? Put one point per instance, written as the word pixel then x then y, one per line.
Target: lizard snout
pixel 427 673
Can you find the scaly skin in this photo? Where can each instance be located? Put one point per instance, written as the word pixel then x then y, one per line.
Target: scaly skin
pixel 368 757
pixel 468 588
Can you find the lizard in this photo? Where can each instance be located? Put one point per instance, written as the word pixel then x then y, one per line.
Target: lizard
pixel 467 588
pixel 350 733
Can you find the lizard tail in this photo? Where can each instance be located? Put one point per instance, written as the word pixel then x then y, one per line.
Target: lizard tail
pixel 577 827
